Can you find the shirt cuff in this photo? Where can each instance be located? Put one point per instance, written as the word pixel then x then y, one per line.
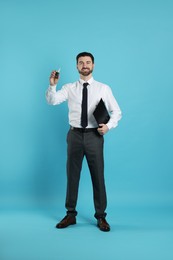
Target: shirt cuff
pixel 109 125
pixel 52 87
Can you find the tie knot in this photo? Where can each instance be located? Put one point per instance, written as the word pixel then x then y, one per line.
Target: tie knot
pixel 85 84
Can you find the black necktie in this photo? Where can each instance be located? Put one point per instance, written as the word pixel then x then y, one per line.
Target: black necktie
pixel 84 114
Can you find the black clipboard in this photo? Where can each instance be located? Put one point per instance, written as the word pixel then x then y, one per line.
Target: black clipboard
pixel 101 113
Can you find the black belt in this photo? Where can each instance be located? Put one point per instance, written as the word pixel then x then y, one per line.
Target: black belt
pixel 83 130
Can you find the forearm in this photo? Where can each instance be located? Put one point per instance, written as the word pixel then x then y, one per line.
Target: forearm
pixel 54 97
pixel 114 110
pixel 115 117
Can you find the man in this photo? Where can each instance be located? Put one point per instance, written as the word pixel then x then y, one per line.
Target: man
pixel 85 137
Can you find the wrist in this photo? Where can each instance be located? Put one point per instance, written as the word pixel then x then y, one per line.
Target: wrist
pixel 52 84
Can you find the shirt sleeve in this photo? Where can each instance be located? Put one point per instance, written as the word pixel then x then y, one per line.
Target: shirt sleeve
pixel 54 97
pixel 113 108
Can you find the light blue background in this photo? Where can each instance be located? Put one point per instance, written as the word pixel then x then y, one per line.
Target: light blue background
pixel 132 43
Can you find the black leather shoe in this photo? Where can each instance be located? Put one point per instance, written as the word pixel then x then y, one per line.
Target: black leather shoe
pixel 103 224
pixel 66 221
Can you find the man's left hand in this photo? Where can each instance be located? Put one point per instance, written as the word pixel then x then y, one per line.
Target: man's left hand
pixel 103 129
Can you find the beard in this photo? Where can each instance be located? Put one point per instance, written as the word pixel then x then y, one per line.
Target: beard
pixel 85 72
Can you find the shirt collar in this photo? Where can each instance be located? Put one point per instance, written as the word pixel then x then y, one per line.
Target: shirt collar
pixel 89 81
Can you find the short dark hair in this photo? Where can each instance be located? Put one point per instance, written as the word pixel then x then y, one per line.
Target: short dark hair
pixel 83 54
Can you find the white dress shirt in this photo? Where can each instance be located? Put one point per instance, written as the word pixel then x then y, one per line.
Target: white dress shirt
pixel 72 93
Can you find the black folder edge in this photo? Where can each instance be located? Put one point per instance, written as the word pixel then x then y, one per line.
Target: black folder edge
pixel 100 113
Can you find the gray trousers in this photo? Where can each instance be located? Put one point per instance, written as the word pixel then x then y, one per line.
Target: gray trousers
pixel 90 145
